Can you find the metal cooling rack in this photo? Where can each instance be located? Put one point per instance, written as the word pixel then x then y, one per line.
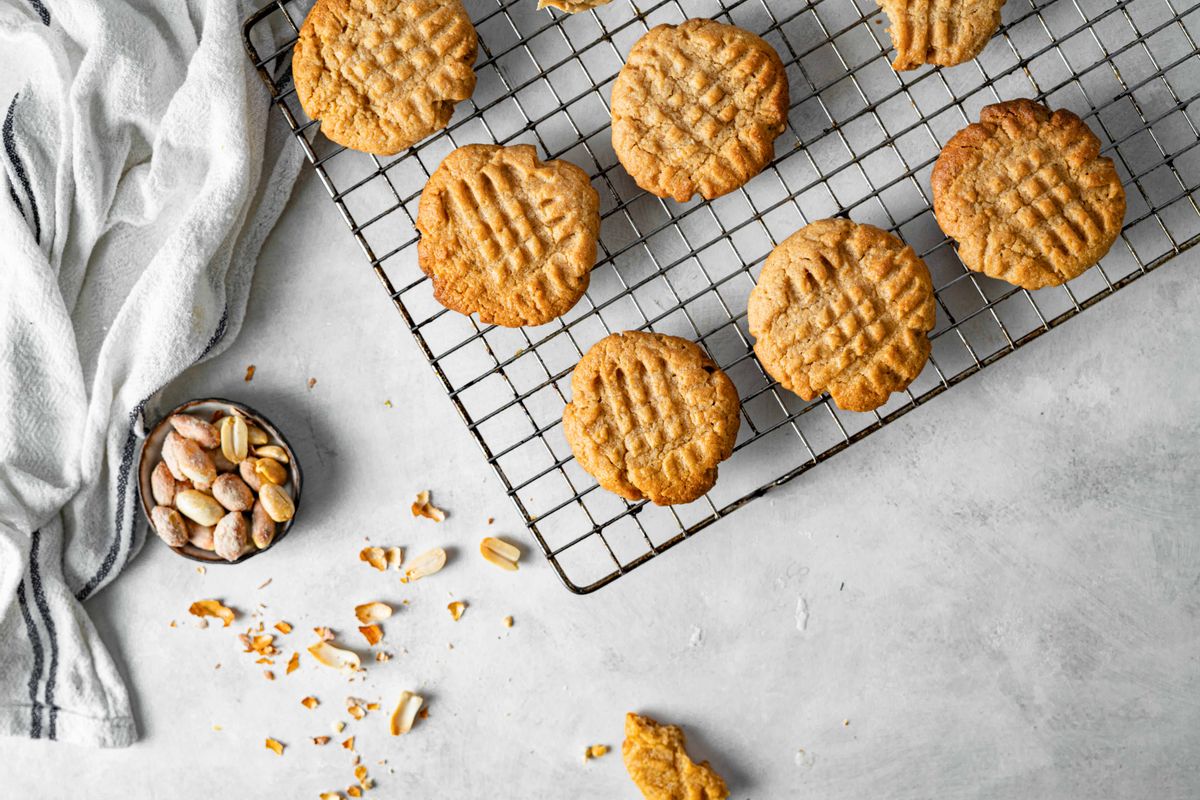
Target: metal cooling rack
pixel 861 141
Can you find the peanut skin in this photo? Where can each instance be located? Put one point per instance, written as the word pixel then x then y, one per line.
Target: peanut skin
pixel 262 527
pixel 196 429
pixel 163 485
pixel 169 526
pixel 246 470
pixel 194 463
pixel 200 535
pixel 170 454
pixel 232 492
pixel 231 535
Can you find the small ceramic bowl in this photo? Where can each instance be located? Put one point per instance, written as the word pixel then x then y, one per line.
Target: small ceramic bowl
pixel 205 409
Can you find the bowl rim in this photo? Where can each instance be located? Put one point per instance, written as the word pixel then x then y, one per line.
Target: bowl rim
pixel 254 415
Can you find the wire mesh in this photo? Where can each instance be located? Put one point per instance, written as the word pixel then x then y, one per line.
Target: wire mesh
pixel 861 142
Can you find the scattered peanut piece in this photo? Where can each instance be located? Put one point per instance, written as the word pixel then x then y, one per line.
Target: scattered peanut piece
pixel 382 656
pixel 331 656
pixel 312 382
pixel 331 796
pixel 283 627
pixel 275 746
pixel 387 403
pixel 395 557
pixel 354 708
pixel 212 608
pixel 319 741
pixel 372 633
pixel 249 373
pixel 324 634
pixel 508 622
pixel 201 570
pixel 265 583
pixel 339 726
pixel 424 565
pixel 402 718
pixel 310 702
pixel 500 552
pixel 354 791
pixel 372 612
pixel 456 609
pixel 293 663
pixel 349 743
pixel 374 556
pixel 421 507
pixel 216 727
pixel 360 775
pixel 268 674
pixel 595 751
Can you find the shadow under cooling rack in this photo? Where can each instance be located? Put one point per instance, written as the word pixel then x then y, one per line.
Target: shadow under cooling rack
pixel 860 142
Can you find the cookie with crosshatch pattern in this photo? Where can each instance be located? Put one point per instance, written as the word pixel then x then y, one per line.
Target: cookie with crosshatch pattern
pixel 381 75
pixel 697 108
pixel 1027 196
pixel 844 308
pixel 942 32
pixel 506 235
pixel 651 416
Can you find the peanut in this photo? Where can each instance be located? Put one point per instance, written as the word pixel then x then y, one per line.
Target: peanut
pixel 262 527
pixel 256 436
pixel 170 454
pixel 194 463
pixel 169 526
pixel 272 451
pixel 196 429
pixel 270 471
pixel 246 470
pixel 200 535
pixel 162 485
pixel 230 536
pixel 276 502
pixel 232 492
pixel 219 460
pixel 199 507
pixel 234 438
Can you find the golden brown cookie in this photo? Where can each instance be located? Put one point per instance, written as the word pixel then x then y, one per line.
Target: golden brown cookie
pixel 943 32
pixel 651 416
pixel 844 308
pixel 697 107
pixel 381 75
pixel 657 761
pixel 506 235
pixel 572 6
pixel 1027 196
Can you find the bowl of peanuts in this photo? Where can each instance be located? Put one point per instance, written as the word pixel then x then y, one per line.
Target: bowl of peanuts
pixel 218 482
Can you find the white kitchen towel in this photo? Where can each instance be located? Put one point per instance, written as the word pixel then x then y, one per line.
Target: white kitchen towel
pixel 142 170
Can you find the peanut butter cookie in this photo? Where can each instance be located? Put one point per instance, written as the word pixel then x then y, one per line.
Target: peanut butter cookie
pixel 506 235
pixel 651 416
pixel 844 308
pixel 381 75
pixel 1027 196
pixel 697 108
pixel 657 761
pixel 942 32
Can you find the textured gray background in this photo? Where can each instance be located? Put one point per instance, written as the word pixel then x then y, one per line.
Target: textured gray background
pixel 1001 590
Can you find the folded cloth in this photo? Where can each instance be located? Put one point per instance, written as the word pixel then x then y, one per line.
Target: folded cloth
pixel 141 172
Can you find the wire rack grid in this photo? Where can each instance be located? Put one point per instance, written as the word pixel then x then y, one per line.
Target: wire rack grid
pixel 861 141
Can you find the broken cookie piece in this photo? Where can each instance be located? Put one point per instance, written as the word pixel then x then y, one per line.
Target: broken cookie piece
pixel 658 763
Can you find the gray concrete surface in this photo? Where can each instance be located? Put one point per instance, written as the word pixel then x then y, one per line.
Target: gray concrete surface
pixel 998 596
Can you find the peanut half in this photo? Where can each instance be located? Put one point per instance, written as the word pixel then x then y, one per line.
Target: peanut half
pixel 500 552
pixel 235 438
pixel 276 502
